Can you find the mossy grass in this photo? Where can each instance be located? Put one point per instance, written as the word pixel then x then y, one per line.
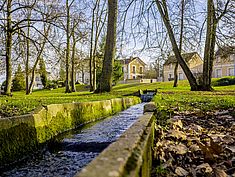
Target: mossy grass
pixel 181 99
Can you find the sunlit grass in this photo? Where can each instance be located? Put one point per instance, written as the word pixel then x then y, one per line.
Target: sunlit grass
pixel 20 103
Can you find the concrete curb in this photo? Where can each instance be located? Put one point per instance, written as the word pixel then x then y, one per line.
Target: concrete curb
pixel 130 155
pixel 22 135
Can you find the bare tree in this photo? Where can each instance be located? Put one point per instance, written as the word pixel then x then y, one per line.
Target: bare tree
pixel 213 17
pixel 98 21
pixel 180 44
pixel 163 10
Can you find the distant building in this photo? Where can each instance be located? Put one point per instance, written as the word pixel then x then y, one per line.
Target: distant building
pixel 37 81
pixel 224 63
pixel 83 72
pixel 193 61
pixel 133 68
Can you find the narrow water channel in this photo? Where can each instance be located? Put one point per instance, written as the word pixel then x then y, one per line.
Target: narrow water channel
pixel 72 151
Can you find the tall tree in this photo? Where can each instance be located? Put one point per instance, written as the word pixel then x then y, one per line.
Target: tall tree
pixel 213 18
pixel 110 48
pixel 98 21
pixel 163 10
pixel 40 50
pixel 8 48
pixel 181 42
pixel 67 63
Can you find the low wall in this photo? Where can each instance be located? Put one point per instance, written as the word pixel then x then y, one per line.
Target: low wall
pixel 22 135
pixel 130 155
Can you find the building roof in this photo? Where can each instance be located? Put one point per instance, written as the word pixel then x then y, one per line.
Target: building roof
pixel 129 60
pixel 186 56
pixel 225 51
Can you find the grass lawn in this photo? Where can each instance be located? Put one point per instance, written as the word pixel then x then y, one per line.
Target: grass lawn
pixel 20 103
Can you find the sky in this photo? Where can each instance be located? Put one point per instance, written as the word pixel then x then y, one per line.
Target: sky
pixel 144 32
pixel 148 30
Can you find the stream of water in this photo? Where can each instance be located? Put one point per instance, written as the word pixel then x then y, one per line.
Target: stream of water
pixel 73 150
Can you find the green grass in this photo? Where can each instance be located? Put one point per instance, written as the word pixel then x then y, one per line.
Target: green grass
pixel 20 103
pixel 181 99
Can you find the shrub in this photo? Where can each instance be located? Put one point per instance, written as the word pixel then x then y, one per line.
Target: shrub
pixel 224 81
pixel 60 83
pixel 18 83
pixel 43 72
pixel 52 84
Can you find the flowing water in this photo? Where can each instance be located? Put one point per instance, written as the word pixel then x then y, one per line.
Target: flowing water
pixel 70 152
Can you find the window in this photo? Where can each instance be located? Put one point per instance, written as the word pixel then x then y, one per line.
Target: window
pixel 133 77
pixel 231 72
pixel 218 73
pixel 37 78
pixel 232 57
pixel 170 66
pixel 181 77
pixel 141 70
pixel 133 69
pixel 218 59
pixel 170 77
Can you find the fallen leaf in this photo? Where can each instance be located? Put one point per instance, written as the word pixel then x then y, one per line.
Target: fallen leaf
pixel 195 128
pixel 177 134
pixel 231 149
pixel 228 139
pixel 178 149
pixel 204 168
pixel 194 148
pixel 181 172
pixel 215 147
pixel 177 124
pixel 207 152
pixel 219 173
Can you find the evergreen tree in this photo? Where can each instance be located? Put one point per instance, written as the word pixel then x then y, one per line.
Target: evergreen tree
pixel 19 80
pixel 43 72
pixel 117 72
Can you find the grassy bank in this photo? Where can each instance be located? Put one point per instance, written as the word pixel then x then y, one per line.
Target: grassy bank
pixel 20 103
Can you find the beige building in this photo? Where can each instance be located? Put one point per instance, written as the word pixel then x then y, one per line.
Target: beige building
pixel 133 68
pixel 224 63
pixel 192 59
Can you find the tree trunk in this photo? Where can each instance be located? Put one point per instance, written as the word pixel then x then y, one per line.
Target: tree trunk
pixel 8 50
pixel 91 48
pixel 67 84
pixel 181 43
pixel 176 75
pixel 94 72
pixel 110 46
pixel 164 14
pixel 27 61
pixel 73 87
pixel 209 46
pixel 30 90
